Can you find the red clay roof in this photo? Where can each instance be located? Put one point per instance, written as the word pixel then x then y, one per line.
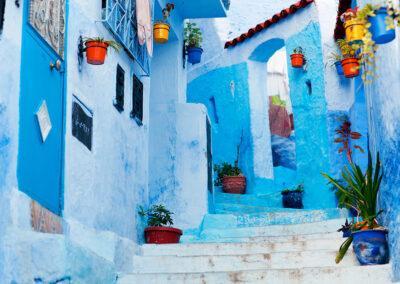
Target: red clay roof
pixel 262 26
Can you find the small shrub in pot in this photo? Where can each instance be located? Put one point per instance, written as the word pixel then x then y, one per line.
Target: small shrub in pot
pixel 159 230
pixel 231 178
pixel 293 198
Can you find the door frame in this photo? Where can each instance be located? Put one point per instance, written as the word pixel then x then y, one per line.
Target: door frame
pixel 27 28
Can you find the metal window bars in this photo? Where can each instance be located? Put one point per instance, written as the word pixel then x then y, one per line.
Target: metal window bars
pixel 119 16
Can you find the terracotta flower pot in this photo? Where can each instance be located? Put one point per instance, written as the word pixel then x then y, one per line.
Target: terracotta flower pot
pixel 162 235
pixel 234 185
pixel 96 52
pixel 297 60
pixel 161 32
pixel 351 67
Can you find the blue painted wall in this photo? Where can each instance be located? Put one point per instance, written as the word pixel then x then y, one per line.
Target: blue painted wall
pixel 231 114
pixel 225 93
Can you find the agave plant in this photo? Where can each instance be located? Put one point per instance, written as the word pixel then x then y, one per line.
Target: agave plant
pixel 362 193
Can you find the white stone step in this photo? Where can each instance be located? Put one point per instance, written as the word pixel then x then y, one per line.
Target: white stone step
pixel 269 246
pixel 223 263
pixel 327 275
pixel 323 227
pixel 233 239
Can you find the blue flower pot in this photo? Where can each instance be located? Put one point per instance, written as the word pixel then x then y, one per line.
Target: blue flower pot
pixel 292 200
pixel 194 55
pixel 346 233
pixel 371 247
pixel 378 29
pixel 339 68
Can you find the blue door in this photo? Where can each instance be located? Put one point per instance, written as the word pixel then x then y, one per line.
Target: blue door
pixel 41 125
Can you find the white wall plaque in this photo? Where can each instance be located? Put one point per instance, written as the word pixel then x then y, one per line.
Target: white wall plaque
pixel 44 121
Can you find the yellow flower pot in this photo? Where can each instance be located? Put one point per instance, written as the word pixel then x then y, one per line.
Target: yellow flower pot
pixel 161 32
pixel 355 31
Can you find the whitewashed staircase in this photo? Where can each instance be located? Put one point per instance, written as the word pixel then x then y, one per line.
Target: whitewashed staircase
pixel 300 253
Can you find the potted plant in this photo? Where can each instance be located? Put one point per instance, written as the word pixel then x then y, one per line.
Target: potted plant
pixel 293 198
pixel 336 60
pixel 231 178
pixel 161 28
pixel 346 229
pixel 96 49
pixel 368 237
pixel 193 40
pixel 159 230
pixel 380 20
pixel 350 63
pixel 345 136
pixel 297 58
pixel 354 27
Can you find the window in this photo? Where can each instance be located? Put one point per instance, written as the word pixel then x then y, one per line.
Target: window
pixel 137 100
pixel 119 16
pixel 120 89
pixel 2 10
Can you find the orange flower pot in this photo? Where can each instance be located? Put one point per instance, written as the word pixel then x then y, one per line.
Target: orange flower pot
pixel 297 60
pixel 161 32
pixel 351 67
pixel 96 52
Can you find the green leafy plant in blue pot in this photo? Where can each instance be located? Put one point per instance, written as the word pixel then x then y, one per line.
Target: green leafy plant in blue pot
pixel 369 239
pixel 293 198
pixel 193 41
pixel 380 22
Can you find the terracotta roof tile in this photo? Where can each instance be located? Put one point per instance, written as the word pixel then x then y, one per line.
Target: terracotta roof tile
pixel 262 26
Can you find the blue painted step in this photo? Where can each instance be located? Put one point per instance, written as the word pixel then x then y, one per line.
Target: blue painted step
pixel 275 216
pixel 270 200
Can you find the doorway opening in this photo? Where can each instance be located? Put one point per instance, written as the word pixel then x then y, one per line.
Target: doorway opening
pixel 281 119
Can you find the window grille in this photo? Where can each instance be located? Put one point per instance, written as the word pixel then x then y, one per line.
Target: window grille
pixel 119 16
pixel 137 100
pixel 120 89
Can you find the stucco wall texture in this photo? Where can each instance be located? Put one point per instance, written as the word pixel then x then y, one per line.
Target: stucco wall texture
pixel 374 113
pixel 104 187
pixel 237 103
pixel 384 122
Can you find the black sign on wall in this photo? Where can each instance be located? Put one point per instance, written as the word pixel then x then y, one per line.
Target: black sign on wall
pixel 82 123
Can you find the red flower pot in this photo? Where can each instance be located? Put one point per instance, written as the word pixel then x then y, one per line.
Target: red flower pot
pixel 96 52
pixel 235 185
pixel 351 67
pixel 297 60
pixel 162 235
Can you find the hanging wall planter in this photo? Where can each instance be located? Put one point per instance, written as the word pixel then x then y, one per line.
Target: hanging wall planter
pixel 351 67
pixel 354 31
pixel 96 49
pixel 354 27
pixel 297 58
pixel 161 28
pixel 339 68
pixel 161 32
pixel 193 40
pixel 194 54
pixel 379 29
